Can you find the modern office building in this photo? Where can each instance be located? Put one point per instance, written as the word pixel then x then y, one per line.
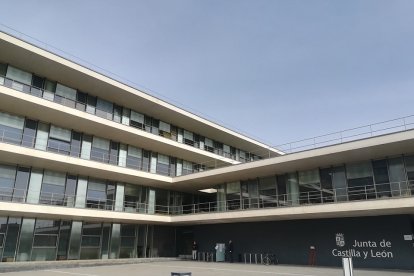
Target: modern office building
pixel 91 168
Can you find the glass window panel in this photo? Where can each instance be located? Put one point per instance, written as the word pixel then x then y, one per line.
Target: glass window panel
pixel 226 148
pixel 42 136
pixel 188 135
pixel 60 133
pixel 12 121
pixel 86 147
pixel 117 113
pixel 125 116
pixel 49 240
pixel 65 92
pixel 75 239
pixel 91 103
pixel 137 117
pixel 292 188
pixel 359 170
pixel 106 232
pixel 3 69
pixel 35 186
pixel 22 181
pixel 165 127
pixel 19 75
pixel 43 254
pixel 409 166
pixel 10 245
pixel 134 152
pixel 103 105
pixel 91 229
pixel 380 168
pixel 29 133
pixel 26 239
pixel 97 185
pixel 100 143
pixel 63 244
pixel 50 86
pixel 398 176
pixel 233 187
pixel 122 161
pixel 187 165
pixel 163 159
pixel 7 174
pixel 339 183
pixel 153 167
pixel 54 178
pixel 115 241
pixel 38 82
pixel 7 178
pixel 91 241
pixel 75 144
pixel 81 192
pixel 208 142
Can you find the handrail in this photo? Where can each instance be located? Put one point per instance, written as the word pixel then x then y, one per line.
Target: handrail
pixel 83 106
pixel 352 134
pixel 30 141
pixel 323 196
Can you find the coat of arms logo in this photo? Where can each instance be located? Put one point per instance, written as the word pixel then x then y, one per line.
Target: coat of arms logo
pixel 340 240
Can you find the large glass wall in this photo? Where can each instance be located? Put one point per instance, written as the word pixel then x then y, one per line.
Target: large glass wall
pixel 59 93
pixel 31 239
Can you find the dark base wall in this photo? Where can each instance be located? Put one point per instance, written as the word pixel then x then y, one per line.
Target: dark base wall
pixel 374 242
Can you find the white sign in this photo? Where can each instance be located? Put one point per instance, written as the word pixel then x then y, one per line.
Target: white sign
pixel 408 237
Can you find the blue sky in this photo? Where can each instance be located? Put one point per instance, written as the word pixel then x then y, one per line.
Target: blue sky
pixel 275 70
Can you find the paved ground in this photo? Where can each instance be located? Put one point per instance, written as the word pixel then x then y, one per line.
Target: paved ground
pixel 203 269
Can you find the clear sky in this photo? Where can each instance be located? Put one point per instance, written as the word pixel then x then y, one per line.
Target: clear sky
pixel 275 70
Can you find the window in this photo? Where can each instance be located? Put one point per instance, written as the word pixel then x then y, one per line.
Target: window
pixel 7 178
pixel 97 194
pixel 11 128
pixel 187 167
pixel 163 164
pixel 267 191
pixel 309 187
pixel 91 240
pixel 100 149
pixel 134 158
pixel 91 104
pixel 37 86
pixel 81 100
pixel 53 188
pixel 104 109
pixel 137 120
pixel 19 75
pixel 65 95
pixel 188 138
pixel 45 240
pixel 360 181
pixel 22 79
pixel 208 145
pixel 49 92
pixel 29 133
pixel 382 180
pixel 59 140
pixel 165 129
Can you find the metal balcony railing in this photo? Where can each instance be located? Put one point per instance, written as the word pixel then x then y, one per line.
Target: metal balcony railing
pixel 143 164
pixel 117 118
pixel 387 191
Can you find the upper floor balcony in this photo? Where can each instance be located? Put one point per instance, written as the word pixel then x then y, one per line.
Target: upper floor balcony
pixel 57 79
